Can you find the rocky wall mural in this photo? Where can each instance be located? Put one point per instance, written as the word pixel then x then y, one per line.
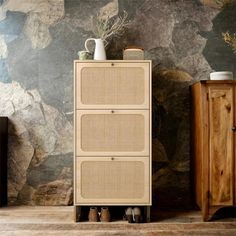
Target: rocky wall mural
pixel 39 39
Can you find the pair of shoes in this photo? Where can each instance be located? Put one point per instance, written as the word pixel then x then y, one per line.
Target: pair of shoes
pixel 133 215
pixel 93 215
pixel 105 215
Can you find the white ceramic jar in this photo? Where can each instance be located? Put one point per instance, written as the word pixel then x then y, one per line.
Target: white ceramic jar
pixel 221 75
pixel 99 52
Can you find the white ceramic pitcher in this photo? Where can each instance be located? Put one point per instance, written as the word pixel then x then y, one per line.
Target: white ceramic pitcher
pixel 99 53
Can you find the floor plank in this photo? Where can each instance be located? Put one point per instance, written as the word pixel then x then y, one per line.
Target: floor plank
pixel 24 220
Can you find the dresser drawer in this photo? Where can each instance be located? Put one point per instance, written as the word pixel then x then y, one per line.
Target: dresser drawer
pixel 112 85
pixel 112 180
pixel 112 133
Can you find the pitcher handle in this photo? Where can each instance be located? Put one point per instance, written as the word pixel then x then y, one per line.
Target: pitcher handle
pixel 85 44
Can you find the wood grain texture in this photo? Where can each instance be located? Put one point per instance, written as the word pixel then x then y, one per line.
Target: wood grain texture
pixel 197 140
pixel 58 221
pixel 222 82
pixel 213 145
pixel 221 111
pixel 205 156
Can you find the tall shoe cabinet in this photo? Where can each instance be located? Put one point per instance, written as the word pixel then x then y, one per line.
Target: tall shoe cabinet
pixel 112 142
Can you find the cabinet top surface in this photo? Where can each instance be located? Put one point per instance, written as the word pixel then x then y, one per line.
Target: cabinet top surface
pixel 216 82
pixel 109 61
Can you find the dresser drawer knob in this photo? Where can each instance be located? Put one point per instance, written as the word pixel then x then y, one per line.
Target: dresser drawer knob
pixel 112 111
pixel 112 64
pixel 112 158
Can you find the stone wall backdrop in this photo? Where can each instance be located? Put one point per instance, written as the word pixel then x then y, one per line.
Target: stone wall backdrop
pixel 39 40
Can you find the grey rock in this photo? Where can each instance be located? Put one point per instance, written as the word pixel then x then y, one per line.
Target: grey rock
pixel 196 65
pixel 181 160
pixel 151 15
pixel 13 23
pixel 161 57
pixel 171 189
pixel 185 35
pixel 158 152
pixel 52 168
pixel 40 15
pixel 3 48
pixel 128 6
pixel 25 195
pixel 4 76
pixel 81 13
pixel 55 71
pixel 109 10
pixel 18 59
pixel 167 178
pixel 20 154
pixel 217 53
pixel 181 166
pixel 37 133
pixel 58 192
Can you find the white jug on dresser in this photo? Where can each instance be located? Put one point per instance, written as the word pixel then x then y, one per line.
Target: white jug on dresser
pixel 99 52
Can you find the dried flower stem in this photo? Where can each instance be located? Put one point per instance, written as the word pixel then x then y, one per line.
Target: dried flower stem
pixel 108 28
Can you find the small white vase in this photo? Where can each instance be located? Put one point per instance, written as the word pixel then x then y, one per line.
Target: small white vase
pixel 99 53
pixel 221 75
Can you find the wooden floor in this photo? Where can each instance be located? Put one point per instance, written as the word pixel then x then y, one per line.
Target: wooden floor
pixel 47 221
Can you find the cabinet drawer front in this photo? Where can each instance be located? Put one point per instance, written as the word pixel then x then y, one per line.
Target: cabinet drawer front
pixel 116 133
pixel 106 180
pixel 112 85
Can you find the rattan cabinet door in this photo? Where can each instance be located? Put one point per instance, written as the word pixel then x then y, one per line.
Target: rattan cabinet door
pixel 112 85
pixel 112 133
pixel 112 180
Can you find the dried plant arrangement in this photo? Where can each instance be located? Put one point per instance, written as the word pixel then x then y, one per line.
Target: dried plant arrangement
pixel 230 40
pixel 109 28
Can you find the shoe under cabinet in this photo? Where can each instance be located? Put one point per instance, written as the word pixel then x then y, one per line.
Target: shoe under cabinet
pixel 112 120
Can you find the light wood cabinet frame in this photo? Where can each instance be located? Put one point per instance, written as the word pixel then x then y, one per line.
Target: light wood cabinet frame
pixel 141 107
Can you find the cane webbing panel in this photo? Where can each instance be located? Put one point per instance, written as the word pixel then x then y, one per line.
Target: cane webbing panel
pixel 118 86
pixel 112 179
pixel 112 132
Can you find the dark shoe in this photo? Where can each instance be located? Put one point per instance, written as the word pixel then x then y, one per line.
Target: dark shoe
pixel 137 215
pixel 105 215
pixel 129 214
pixel 93 214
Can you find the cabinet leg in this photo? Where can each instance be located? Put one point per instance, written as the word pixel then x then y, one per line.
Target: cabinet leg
pixel 77 213
pixel 147 213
